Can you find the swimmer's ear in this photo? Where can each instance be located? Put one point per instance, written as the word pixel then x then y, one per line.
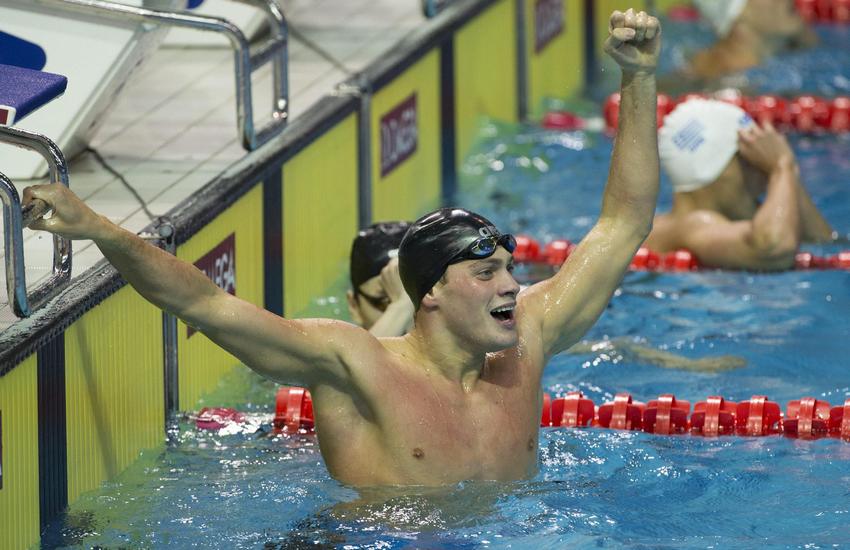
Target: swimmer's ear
pixel 354 308
pixel 431 300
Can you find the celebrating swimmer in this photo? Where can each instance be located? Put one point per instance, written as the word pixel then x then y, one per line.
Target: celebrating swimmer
pixel 748 32
pixel 720 162
pixel 458 397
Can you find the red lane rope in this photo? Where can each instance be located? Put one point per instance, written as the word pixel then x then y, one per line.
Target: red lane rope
pixel 556 252
pixel 805 113
pixel 806 418
pixel 825 11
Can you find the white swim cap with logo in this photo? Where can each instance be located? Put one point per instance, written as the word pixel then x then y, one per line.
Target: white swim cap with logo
pixel 697 141
pixel 721 14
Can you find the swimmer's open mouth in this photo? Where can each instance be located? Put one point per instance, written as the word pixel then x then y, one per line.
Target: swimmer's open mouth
pixel 503 313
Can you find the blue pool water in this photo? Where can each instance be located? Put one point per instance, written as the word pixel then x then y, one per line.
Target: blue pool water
pixel 595 488
pixel 822 70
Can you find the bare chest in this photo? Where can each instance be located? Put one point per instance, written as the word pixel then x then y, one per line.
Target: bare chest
pixel 490 433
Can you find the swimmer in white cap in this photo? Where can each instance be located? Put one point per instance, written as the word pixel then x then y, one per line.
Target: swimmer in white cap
pixel 748 31
pixel 720 162
pixel 459 396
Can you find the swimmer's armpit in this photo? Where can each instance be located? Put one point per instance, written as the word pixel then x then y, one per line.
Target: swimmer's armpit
pixel 629 350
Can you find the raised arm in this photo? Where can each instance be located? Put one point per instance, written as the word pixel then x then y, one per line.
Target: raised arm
pixel 398 317
pixel 770 240
pixel 570 302
pixel 291 351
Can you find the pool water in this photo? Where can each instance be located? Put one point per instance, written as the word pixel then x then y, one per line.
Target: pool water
pixel 595 487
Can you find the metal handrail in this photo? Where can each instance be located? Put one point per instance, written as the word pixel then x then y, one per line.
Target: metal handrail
pixel 13 246
pixel 14 220
pixel 245 62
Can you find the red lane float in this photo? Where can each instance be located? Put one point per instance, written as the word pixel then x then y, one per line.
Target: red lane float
pixel 562 120
pixel 556 252
pixel 839 421
pixel 574 410
pixel 824 11
pixel 293 410
pixel 714 416
pixel 611 109
pixel 806 113
pixel 666 415
pixel 683 13
pixel 527 249
pixel 622 414
pixel 806 418
pixel 758 417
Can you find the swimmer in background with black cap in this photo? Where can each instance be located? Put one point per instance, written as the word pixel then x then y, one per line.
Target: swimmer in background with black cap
pixel 458 397
pixel 377 300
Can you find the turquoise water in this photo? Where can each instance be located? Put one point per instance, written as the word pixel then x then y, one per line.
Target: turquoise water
pixel 595 488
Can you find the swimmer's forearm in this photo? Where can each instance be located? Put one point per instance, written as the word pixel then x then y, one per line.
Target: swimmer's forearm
pixel 776 224
pixel 632 188
pixel 815 228
pixel 162 279
pixel 395 321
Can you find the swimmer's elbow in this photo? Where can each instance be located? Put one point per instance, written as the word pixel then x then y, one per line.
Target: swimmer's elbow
pixel 777 253
pixel 629 227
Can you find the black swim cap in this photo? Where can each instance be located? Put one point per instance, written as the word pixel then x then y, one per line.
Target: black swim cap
pixel 373 248
pixel 441 238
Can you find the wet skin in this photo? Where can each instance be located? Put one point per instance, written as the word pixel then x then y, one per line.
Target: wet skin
pixel 415 425
pixel 427 431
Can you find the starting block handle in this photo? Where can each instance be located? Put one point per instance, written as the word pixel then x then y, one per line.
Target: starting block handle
pixel 33 211
pixel 24 303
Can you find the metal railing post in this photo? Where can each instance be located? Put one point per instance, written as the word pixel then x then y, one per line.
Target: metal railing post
pixel 244 60
pixel 521 61
pixel 165 238
pixel 362 91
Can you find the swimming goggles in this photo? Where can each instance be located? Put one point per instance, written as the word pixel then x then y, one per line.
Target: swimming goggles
pixel 381 303
pixel 486 246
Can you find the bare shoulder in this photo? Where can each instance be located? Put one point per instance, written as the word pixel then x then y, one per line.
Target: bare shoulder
pixel 670 232
pixel 360 348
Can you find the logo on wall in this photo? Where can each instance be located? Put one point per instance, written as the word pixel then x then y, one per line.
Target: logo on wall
pixel 219 264
pixel 548 22
pixel 399 135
